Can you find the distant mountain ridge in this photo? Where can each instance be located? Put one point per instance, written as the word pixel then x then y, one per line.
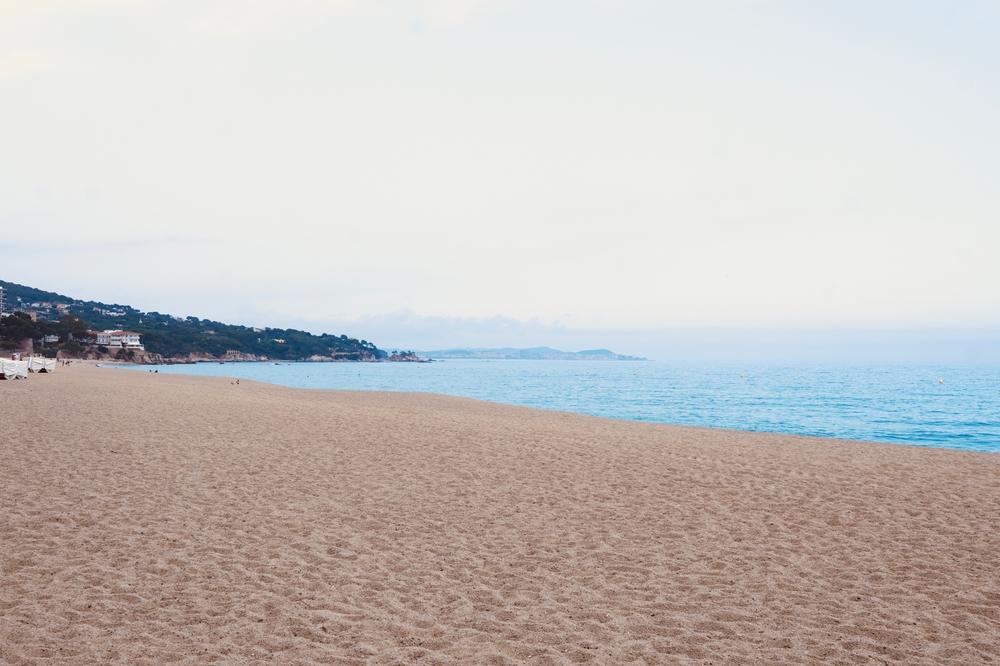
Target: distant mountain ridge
pixel 529 354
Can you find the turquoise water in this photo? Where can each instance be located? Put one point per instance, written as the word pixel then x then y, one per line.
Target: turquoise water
pixel 902 404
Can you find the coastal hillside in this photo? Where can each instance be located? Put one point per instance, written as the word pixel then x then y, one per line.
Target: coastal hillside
pixel 531 354
pixel 163 335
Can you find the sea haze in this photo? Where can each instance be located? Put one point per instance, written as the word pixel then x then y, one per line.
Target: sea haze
pixel 957 407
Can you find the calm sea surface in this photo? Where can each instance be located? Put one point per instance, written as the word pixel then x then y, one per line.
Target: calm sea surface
pixel 902 404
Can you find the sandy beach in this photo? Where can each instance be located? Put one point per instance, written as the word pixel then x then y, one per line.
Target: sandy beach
pixel 151 519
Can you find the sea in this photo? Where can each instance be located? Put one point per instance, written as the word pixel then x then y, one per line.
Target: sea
pixel 927 405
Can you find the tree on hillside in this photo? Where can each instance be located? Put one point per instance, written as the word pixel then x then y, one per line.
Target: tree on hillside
pixel 18 326
pixel 71 325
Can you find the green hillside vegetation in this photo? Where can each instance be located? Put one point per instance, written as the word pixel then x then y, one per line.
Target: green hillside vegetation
pixel 19 326
pixel 172 336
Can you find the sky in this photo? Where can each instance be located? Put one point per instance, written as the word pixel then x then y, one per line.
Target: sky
pixel 663 178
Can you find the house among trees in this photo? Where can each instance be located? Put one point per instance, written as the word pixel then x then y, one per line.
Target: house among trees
pixel 119 340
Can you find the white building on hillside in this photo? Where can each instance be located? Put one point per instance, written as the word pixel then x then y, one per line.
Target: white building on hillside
pixel 3 302
pixel 120 339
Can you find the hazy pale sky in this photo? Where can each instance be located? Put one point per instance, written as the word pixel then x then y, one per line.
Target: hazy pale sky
pixel 448 165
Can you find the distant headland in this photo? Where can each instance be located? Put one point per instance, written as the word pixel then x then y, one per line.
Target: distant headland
pixel 529 354
pixel 51 324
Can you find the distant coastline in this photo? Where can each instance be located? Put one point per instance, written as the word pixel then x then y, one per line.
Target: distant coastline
pixel 51 324
pixel 528 354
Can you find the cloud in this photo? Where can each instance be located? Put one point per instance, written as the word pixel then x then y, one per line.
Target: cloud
pixel 406 328
pixel 19 8
pixel 24 64
pixel 607 166
pixel 225 17
pixel 108 246
pixel 251 17
pixel 451 12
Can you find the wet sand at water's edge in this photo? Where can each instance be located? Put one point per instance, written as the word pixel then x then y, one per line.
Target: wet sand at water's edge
pixel 151 519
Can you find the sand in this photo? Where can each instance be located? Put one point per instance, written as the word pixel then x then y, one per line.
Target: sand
pixel 151 519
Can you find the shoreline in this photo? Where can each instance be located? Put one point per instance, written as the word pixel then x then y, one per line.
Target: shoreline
pixel 137 366
pixel 151 518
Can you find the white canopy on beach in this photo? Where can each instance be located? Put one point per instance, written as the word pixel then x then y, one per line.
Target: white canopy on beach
pixel 14 369
pixel 41 364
